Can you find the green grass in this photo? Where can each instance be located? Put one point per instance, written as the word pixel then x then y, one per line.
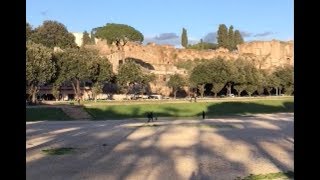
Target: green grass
pixel 188 109
pixel 58 151
pixel 282 175
pixel 36 114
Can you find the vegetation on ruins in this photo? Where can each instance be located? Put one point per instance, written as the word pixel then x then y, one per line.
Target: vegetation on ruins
pixel 76 66
pixel 228 38
pixel 184 38
pixel 119 34
pixel 86 39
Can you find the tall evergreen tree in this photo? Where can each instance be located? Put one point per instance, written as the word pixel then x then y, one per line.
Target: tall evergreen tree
pixel 222 37
pixel 184 38
pixel 237 38
pixel 231 44
pixel 86 39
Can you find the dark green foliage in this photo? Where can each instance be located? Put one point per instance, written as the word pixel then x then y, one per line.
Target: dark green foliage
pixel 231 44
pixel 53 34
pixel 222 36
pixel 184 38
pixel 238 38
pixel 175 82
pixel 118 33
pixel 86 39
pixel 203 45
pixel 40 67
pixel 29 31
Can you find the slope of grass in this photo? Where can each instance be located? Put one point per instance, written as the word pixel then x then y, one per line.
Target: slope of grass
pixel 37 114
pixel 191 109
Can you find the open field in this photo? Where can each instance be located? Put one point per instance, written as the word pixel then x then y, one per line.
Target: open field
pixel 102 111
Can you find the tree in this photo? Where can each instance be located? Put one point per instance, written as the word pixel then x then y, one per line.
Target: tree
pixel 231 43
pixel 246 76
pixel 40 68
pixel 29 31
pixel 129 73
pixel 74 68
pixel 237 38
pixel 220 73
pixel 272 81
pixel 100 72
pixel 184 38
pixel 222 37
pixel 53 34
pixel 119 34
pixel 175 82
pixel 199 77
pixel 250 88
pixel 86 39
pixel 285 76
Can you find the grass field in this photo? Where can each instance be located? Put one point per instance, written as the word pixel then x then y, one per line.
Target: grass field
pixel 36 114
pixel 187 109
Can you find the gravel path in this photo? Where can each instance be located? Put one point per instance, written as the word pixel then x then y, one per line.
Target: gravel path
pixel 220 148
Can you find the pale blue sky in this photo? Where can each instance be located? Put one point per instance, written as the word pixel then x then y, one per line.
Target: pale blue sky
pixel 162 20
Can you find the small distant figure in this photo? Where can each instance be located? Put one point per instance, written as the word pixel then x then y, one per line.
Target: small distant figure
pixel 150 116
pixel 203 115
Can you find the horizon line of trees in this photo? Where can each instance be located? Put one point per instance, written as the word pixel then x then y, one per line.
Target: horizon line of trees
pixel 226 38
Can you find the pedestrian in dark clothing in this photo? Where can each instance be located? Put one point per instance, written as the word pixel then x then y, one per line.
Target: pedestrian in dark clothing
pixel 151 116
pixel 203 115
pixel 148 116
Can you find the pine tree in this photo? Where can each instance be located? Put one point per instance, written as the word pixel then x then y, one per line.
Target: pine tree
pixel 184 38
pixel 222 36
pixel 231 45
pixel 237 38
pixel 86 39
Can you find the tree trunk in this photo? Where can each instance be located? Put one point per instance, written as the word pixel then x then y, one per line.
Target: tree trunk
pixel 228 88
pixel 175 94
pixel 239 93
pixel 215 95
pixel 276 91
pixel 34 91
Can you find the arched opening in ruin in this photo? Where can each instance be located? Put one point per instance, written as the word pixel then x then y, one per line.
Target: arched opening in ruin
pixel 141 63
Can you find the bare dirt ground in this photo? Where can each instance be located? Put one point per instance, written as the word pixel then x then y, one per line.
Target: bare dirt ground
pixel 219 149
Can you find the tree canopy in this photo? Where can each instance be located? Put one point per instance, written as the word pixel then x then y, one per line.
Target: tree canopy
pixel 40 67
pixel 175 82
pixel 117 33
pixel 53 34
pixel 184 38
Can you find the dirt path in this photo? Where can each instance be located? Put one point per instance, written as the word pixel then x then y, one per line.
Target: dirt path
pixel 220 148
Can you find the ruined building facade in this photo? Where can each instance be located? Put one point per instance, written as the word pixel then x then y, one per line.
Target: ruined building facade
pixel 161 59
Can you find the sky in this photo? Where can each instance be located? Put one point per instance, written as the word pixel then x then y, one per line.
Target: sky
pixel 161 21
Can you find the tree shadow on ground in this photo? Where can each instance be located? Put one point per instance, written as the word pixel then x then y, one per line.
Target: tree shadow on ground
pixel 222 109
pixel 170 151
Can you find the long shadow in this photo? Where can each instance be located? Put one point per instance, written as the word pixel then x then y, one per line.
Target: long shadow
pixel 220 109
pixel 125 152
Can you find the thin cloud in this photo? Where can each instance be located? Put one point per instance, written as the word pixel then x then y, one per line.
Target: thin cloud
pixel 167 39
pixel 267 33
pixel 165 36
pixel 210 37
pixel 245 34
